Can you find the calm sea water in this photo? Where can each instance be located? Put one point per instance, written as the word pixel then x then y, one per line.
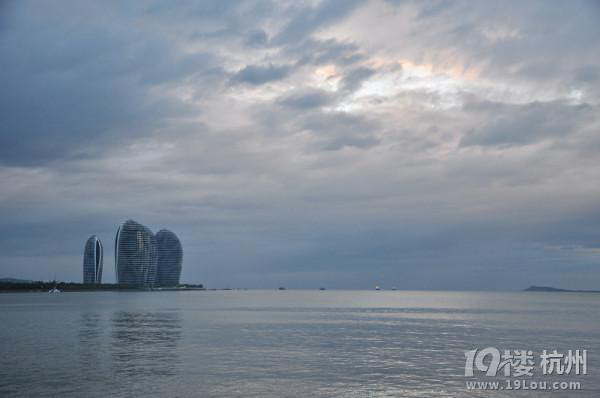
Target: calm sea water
pixel 289 343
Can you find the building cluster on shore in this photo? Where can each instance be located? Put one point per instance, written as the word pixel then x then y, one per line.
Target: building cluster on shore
pixel 142 258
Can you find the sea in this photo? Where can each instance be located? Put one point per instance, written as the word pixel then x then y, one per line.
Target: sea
pixel 298 343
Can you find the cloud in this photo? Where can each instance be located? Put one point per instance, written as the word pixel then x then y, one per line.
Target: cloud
pixel 306 20
pixel 355 77
pixel 307 99
pixel 259 74
pixel 334 131
pixel 320 52
pixel 257 38
pixel 75 93
pixel 330 143
pixel 521 124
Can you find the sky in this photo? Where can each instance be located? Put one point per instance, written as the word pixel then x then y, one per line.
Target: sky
pixel 340 144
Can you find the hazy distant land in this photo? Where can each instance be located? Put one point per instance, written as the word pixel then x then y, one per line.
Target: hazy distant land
pixel 534 288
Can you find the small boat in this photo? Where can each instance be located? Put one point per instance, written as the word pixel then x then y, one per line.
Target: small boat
pixel 54 289
pixel 281 288
pixel 377 288
pixel 321 288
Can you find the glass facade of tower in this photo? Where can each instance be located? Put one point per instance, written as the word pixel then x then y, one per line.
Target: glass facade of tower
pixel 170 257
pixel 135 255
pixel 92 260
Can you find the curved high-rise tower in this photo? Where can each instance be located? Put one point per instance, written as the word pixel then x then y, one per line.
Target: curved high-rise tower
pixel 135 255
pixel 92 260
pixel 170 257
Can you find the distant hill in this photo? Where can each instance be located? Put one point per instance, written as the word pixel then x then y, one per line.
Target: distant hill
pixel 534 288
pixel 14 280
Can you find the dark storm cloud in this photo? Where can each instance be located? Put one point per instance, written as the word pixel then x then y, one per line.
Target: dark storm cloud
pixel 333 143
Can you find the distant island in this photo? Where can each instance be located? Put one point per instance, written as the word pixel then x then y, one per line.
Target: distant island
pixel 534 288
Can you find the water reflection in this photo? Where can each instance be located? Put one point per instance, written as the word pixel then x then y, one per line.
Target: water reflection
pixel 89 327
pixel 90 345
pixel 272 344
pixel 145 343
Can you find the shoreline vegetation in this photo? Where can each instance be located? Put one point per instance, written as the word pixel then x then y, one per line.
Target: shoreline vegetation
pixel 44 286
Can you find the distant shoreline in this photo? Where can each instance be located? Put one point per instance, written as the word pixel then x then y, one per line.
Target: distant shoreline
pixel 550 289
pixel 10 285
pixel 37 287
